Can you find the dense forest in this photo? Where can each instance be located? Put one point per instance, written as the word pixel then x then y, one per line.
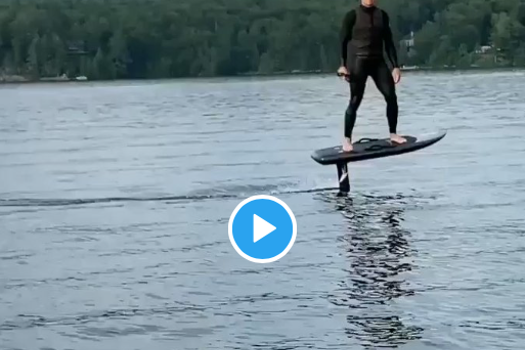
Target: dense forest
pixel 115 39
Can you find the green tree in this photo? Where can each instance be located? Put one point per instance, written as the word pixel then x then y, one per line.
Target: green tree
pixel 113 39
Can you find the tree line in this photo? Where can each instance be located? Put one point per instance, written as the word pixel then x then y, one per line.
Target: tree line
pixel 119 39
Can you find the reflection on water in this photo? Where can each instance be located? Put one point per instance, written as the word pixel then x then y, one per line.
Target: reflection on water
pixel 378 252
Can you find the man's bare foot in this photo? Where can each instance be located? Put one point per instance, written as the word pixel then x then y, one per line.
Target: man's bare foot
pixel 397 139
pixel 347 145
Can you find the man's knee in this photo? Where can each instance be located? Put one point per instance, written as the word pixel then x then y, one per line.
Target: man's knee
pixel 355 101
pixel 356 98
pixel 390 96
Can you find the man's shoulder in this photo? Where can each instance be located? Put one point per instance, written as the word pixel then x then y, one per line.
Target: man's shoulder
pixel 350 12
pixel 350 15
pixel 383 12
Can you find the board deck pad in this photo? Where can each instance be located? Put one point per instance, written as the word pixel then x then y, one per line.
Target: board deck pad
pixel 368 148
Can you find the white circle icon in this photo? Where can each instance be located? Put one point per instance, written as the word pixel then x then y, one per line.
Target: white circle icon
pixel 262 229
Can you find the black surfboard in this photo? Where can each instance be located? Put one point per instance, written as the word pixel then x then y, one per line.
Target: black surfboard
pixel 368 148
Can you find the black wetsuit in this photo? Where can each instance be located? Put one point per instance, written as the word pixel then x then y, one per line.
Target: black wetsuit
pixel 366 34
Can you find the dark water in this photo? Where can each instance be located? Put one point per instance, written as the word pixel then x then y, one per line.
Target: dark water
pixel 115 199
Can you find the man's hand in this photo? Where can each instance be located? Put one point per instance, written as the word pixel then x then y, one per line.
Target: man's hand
pixel 343 72
pixel 396 74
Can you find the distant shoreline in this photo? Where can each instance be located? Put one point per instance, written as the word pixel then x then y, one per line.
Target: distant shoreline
pixel 403 69
pixel 18 79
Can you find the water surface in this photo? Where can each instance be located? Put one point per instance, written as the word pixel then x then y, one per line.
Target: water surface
pixel 115 199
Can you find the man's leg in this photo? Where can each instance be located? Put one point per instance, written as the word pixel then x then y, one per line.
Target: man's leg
pixel 357 89
pixel 385 84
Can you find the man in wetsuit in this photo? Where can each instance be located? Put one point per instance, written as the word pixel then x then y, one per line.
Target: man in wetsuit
pixel 367 30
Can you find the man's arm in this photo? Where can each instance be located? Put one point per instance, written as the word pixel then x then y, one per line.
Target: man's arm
pixel 346 34
pixel 390 48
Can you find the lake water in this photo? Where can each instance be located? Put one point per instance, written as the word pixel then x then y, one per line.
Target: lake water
pixel 115 200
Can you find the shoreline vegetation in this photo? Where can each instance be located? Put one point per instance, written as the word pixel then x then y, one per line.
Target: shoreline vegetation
pixel 64 79
pixel 106 40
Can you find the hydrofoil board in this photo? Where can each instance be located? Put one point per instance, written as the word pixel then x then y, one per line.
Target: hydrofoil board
pixel 368 148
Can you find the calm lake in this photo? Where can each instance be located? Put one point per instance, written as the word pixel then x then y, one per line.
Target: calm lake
pixel 115 200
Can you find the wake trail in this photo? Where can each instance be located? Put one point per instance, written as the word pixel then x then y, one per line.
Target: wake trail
pixel 53 202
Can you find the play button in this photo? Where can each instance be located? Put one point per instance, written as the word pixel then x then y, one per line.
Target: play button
pixel 262 229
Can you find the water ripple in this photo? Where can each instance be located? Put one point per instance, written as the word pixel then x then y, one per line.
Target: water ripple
pixel 115 199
